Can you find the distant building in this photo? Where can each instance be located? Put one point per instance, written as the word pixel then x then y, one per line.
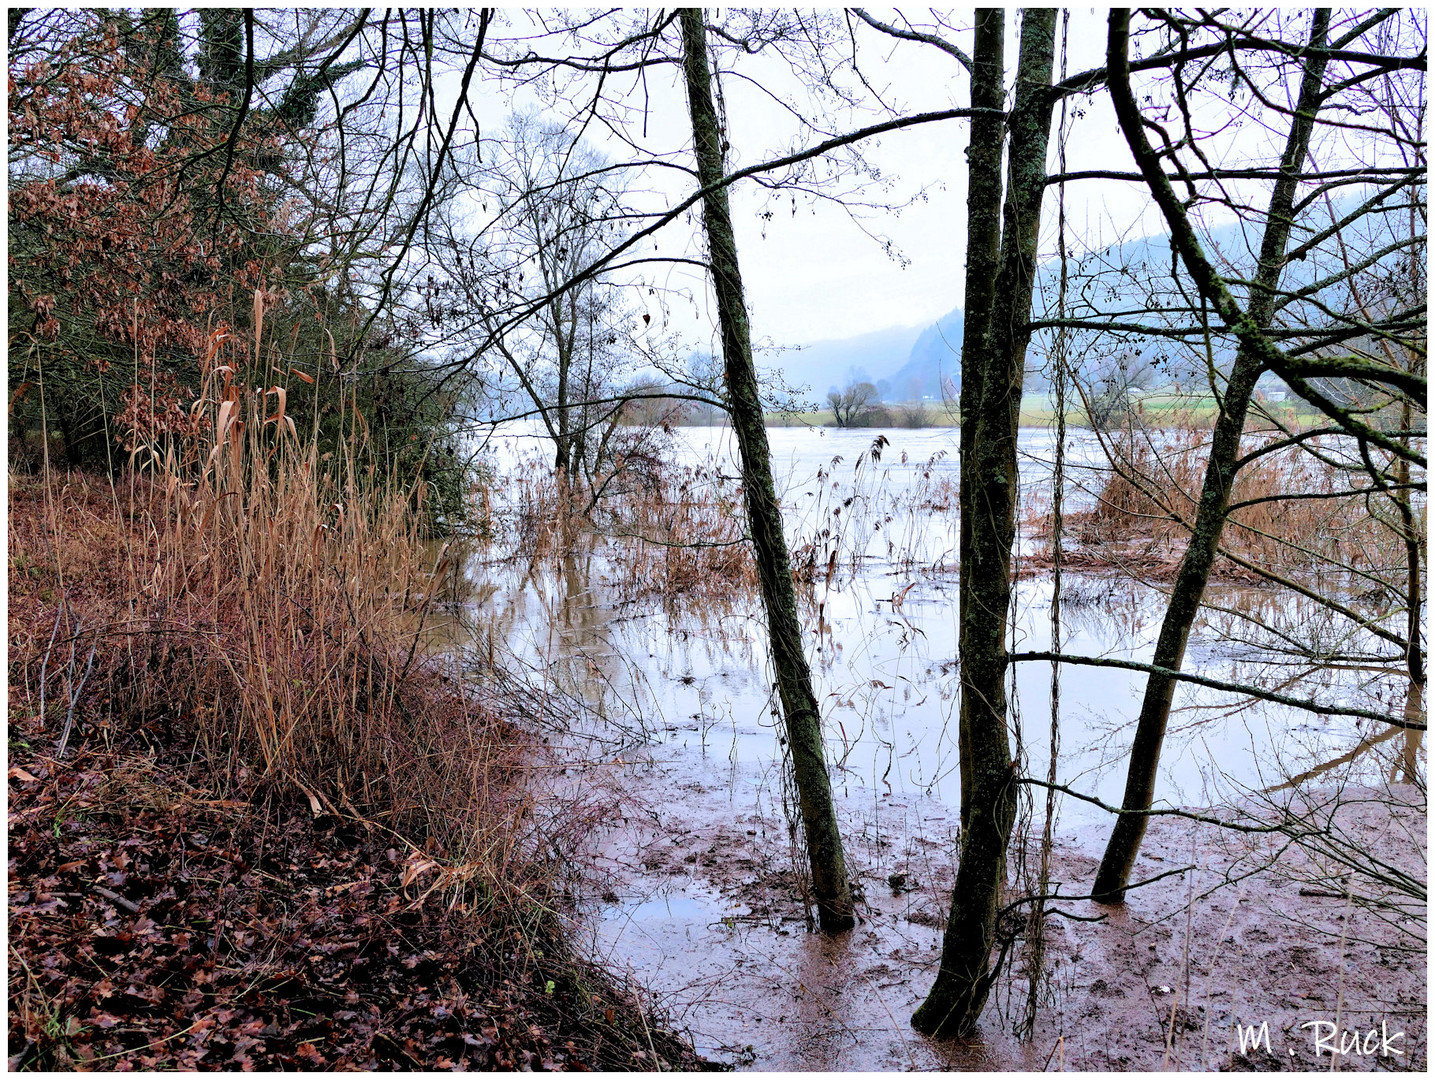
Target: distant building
pixel 1271 388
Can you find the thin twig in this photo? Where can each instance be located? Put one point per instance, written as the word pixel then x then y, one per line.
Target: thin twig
pixel 128 905
pixel 45 665
pixel 70 713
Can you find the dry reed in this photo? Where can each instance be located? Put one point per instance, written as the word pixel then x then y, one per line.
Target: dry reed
pixel 1291 514
pixel 679 536
pixel 271 602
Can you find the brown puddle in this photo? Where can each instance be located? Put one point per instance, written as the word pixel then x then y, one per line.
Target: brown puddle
pixel 700 909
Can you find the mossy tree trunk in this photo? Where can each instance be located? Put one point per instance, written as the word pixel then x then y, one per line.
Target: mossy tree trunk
pixel 1414 606
pixel 830 887
pixel 1194 572
pixel 993 361
pixel 984 236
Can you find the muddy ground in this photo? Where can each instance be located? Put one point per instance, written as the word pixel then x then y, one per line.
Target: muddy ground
pixel 695 898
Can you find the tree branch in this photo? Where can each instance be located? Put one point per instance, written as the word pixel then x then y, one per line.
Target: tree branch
pixel 1217 684
pixel 913 35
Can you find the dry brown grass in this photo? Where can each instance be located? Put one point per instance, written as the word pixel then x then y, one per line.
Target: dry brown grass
pixel 271 605
pixel 677 536
pixel 1144 509
pixel 230 636
pixel 677 533
pixel 686 538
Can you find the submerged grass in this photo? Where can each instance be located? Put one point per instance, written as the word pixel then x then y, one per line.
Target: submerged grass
pixel 679 537
pixel 1295 512
pixel 677 534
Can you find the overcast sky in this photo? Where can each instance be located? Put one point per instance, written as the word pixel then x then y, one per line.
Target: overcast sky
pixel 811 272
pixel 816 275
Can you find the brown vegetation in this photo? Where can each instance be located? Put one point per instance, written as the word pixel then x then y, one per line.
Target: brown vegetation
pixel 239 785
pixel 155 925
pixel 1296 518
pixel 674 533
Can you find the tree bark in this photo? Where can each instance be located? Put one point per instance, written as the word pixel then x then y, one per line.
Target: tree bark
pixel 1195 570
pixel 1408 770
pixel 994 359
pixel 984 234
pixel 830 887
pixel 1410 535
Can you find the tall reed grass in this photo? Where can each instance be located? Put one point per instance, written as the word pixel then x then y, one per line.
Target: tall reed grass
pixel 677 536
pixel 1293 513
pixel 270 599
pixel 680 536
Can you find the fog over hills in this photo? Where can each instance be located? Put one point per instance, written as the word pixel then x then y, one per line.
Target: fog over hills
pixel 1128 282
pixel 822 365
pixel 911 363
pixel 935 355
pixel 903 361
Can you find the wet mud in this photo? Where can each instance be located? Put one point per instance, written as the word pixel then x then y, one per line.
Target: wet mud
pixel 696 900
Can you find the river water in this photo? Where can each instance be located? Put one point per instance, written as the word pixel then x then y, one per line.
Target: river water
pixel 695 895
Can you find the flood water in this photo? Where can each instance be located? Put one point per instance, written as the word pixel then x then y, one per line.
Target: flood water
pixel 696 896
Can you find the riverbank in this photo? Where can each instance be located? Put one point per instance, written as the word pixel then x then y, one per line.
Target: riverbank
pixel 180 900
pixel 1156 409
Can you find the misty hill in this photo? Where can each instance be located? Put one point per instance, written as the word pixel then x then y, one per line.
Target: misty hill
pixel 935 355
pixel 913 363
pixel 1128 281
pixel 823 365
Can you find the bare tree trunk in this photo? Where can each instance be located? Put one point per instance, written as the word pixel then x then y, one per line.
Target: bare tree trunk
pixel 1410 534
pixel 984 234
pixel 1414 604
pixel 1195 570
pixel 563 343
pixel 995 360
pixel 794 679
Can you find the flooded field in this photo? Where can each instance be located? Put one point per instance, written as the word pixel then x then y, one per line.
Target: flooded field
pixel 690 882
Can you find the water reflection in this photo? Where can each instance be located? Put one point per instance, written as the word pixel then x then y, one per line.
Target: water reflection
pixel 674 684
pixel 1366 744
pixel 690 673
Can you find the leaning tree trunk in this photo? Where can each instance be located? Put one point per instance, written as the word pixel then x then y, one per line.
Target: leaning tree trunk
pixel 1414 657
pixel 997 358
pixel 1114 873
pixel 794 678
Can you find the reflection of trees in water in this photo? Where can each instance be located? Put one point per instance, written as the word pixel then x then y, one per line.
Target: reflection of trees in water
pixel 1404 763
pixel 1280 622
pixel 1257 636
pixel 612 664
pixel 565 622
pixel 1097 604
pixel 1288 644
pixel 573 613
